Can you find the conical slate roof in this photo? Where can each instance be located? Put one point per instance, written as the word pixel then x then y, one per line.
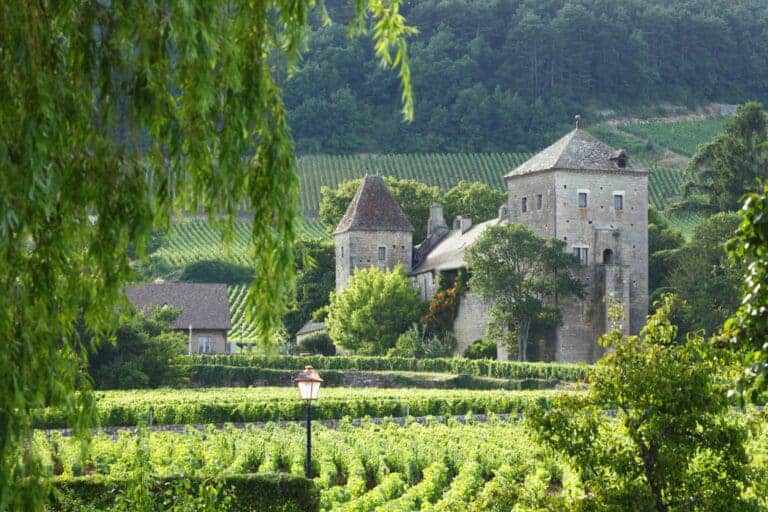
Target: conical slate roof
pixel 373 208
pixel 578 150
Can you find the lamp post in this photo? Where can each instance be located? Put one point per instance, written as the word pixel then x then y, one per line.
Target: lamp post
pixel 308 382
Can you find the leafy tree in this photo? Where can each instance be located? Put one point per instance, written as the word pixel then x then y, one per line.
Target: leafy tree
pixel 747 329
pixel 520 273
pixel 473 198
pixel 370 314
pixel 316 279
pixel 704 278
pixel 413 197
pixel 663 243
pixel 143 354
pixel 673 445
pixel 113 114
pixel 729 166
pixel 319 343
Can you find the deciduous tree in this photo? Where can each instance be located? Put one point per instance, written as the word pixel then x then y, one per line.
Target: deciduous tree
pixel 376 307
pixel 520 274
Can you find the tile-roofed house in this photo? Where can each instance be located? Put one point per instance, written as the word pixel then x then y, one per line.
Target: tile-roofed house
pixel 373 208
pixel 310 328
pixel 204 309
pixel 577 150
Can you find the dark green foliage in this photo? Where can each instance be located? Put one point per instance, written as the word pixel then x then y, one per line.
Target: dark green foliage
pixel 247 493
pixel 477 368
pixel 216 271
pixel 679 448
pixel 417 342
pixel 481 349
pixel 509 75
pixel 662 245
pixel 747 330
pixel 316 279
pixel 729 166
pixel 143 354
pixel 320 344
pixel 475 199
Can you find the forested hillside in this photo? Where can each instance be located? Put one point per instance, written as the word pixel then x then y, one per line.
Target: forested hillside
pixel 508 75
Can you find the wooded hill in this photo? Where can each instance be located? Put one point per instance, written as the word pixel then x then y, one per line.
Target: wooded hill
pixel 509 75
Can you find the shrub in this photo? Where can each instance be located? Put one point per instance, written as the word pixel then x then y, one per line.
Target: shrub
pixel 416 343
pixel 480 349
pixel 319 343
pixel 216 271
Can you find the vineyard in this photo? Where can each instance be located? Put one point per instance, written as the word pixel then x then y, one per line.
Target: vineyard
pixel 436 467
pixel 680 136
pixel 189 241
pixel 221 405
pixel 443 170
pixel 243 329
pixel 664 185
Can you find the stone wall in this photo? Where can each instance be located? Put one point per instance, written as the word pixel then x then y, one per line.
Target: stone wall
pixel 471 321
pixel 360 249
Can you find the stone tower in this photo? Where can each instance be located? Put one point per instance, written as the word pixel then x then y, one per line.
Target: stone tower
pixel 592 197
pixel 373 232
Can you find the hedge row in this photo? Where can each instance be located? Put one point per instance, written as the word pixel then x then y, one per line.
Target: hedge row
pixel 475 367
pixel 282 404
pixel 248 493
pixel 209 375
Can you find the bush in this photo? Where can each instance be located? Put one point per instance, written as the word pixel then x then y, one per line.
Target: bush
pixel 415 343
pixel 216 271
pixel 319 343
pixel 247 493
pixel 481 350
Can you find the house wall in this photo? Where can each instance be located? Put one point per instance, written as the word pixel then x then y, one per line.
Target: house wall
pixel 471 321
pixel 218 339
pixel 540 220
pixel 360 249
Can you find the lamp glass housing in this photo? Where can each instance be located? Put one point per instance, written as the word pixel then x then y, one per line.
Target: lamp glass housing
pixel 308 382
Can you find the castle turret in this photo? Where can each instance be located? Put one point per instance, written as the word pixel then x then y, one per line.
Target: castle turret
pixel 373 232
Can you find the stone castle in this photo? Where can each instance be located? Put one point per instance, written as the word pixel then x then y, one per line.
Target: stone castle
pixel 578 190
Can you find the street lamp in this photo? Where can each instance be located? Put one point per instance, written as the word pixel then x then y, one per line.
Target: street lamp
pixel 308 382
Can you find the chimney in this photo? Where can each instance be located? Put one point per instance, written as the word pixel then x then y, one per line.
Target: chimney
pixel 436 221
pixel 503 213
pixel 463 223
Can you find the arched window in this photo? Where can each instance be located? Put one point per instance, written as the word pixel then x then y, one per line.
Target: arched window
pixel 607 257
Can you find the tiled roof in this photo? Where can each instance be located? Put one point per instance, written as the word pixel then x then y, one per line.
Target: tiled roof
pixel 448 254
pixel 373 208
pixel 203 306
pixel 578 150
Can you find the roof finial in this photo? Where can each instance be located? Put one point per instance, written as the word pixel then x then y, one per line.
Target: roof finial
pixel 578 121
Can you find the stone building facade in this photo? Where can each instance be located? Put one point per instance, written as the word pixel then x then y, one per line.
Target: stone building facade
pixel 578 190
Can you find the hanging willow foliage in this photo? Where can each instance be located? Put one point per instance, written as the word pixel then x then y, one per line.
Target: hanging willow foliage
pixel 113 115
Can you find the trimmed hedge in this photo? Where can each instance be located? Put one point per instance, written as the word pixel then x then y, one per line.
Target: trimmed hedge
pixel 249 493
pixel 233 376
pixel 475 367
pixel 223 405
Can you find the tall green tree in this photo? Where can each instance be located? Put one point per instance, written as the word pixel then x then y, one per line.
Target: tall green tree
pixel 521 275
pixel 376 308
pixel 673 446
pixel 726 168
pixel 747 330
pixel 112 115
pixel 476 199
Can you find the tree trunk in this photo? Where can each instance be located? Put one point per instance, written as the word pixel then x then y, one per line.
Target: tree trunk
pixel 522 339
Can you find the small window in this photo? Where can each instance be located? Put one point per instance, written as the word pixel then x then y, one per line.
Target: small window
pixel 618 201
pixel 538 201
pixel 582 199
pixel 382 253
pixel 342 251
pixel 204 344
pixel 582 253
pixel 525 204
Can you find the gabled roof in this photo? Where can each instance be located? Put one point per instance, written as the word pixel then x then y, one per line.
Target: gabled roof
pixel 373 208
pixel 578 150
pixel 448 254
pixel 203 306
